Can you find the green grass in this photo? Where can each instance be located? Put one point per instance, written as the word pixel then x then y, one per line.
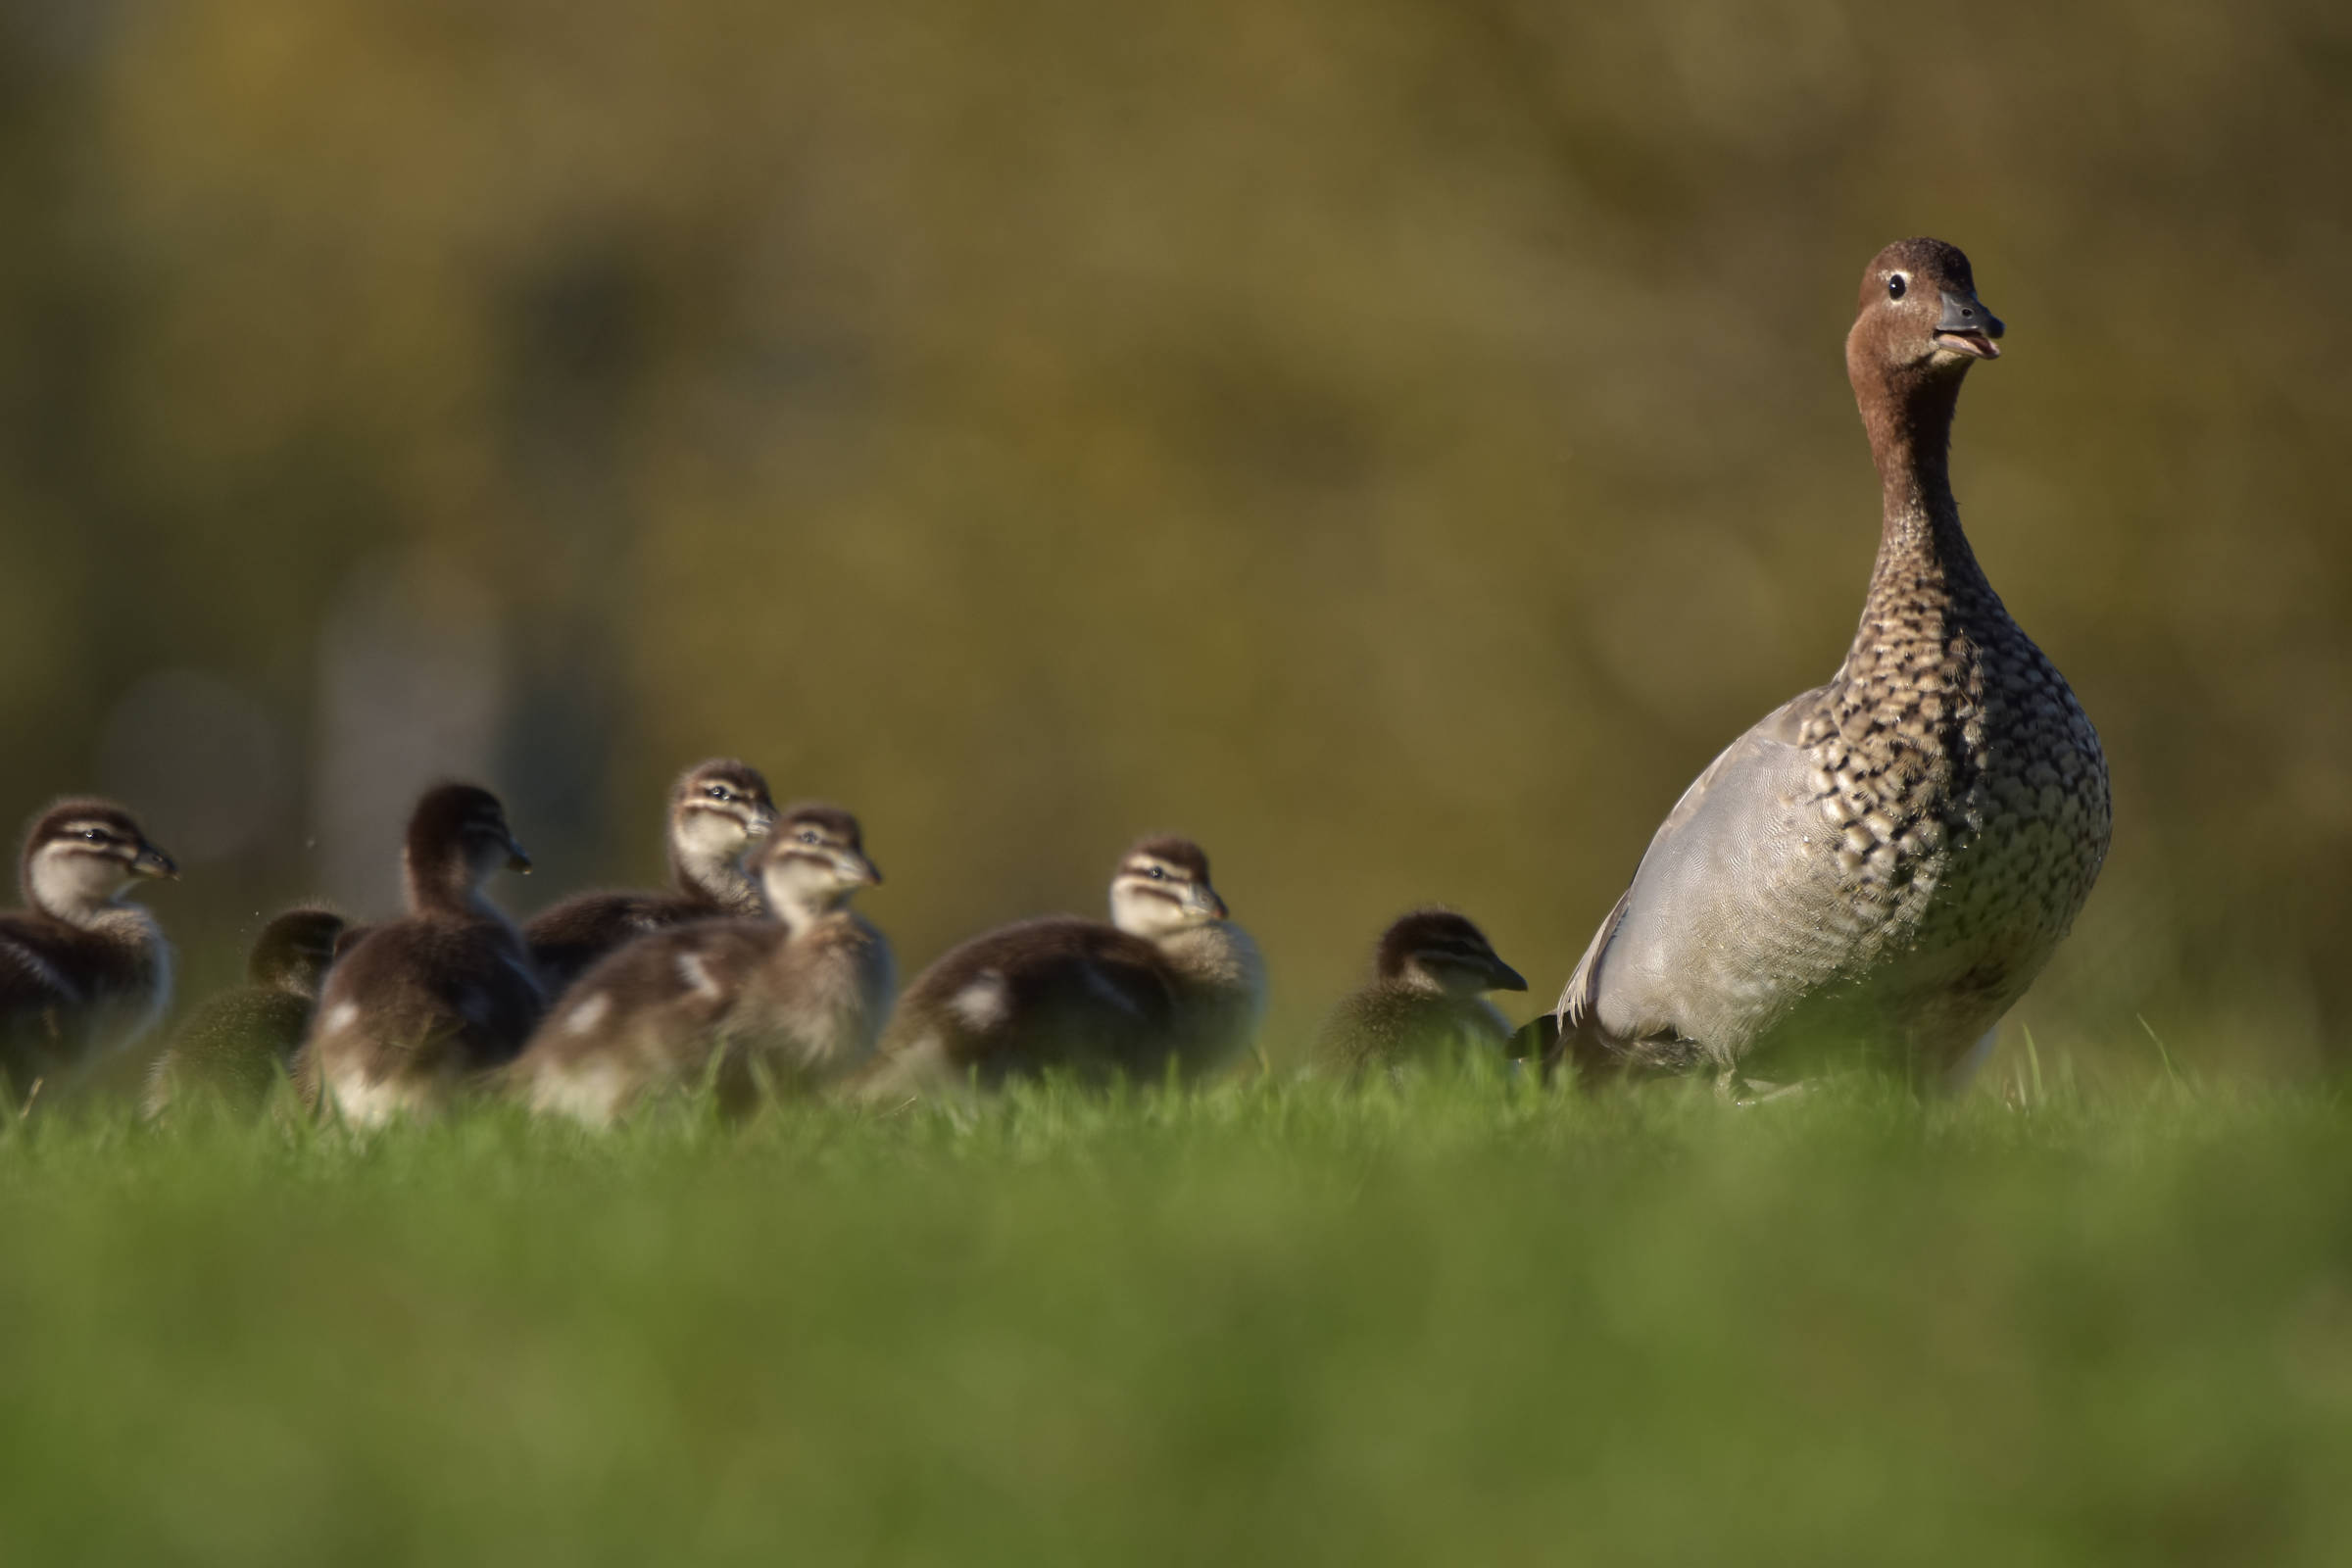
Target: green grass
pixel 1464 1322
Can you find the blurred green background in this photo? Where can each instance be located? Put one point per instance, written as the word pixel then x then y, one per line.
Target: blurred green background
pixel 1398 443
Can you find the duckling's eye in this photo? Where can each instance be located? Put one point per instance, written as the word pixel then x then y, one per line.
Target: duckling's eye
pixel 718 792
pixel 1896 284
pixel 1157 875
pixel 808 835
pixel 93 835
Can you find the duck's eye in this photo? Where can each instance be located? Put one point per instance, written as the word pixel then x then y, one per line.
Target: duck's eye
pixel 808 836
pixel 1896 284
pixel 1157 875
pixel 718 792
pixel 93 835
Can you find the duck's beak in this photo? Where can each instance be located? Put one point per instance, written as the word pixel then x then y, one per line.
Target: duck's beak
pixel 517 861
pixel 1966 327
pixel 1203 899
pixel 1501 976
pixel 861 869
pixel 152 861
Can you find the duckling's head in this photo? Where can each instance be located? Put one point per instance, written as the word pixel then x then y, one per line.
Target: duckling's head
pixel 458 837
pixel 716 810
pixel 1162 887
pixel 80 855
pixel 293 950
pixel 1437 949
pixel 814 861
pixel 1920 316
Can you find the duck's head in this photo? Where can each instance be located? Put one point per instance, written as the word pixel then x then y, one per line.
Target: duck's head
pixel 80 854
pixel 1437 949
pixel 717 811
pixel 812 861
pixel 293 950
pixel 458 837
pixel 1162 887
pixel 1919 313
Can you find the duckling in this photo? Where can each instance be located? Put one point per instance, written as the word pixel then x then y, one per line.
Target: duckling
pixel 421 1006
pixel 717 811
pixel 1426 999
pixel 82 972
pixel 1881 865
pixel 236 1047
pixel 1171 984
pixel 791 1000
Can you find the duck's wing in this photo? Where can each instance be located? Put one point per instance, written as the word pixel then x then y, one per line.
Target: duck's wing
pixel 28 979
pixel 1730 914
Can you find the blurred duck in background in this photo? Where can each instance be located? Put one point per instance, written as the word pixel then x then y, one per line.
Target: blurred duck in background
pixel 1171 985
pixel 1426 1001
pixel 83 972
pixel 236 1048
pixel 1878 869
pixel 420 1008
pixel 717 810
pixel 782 1004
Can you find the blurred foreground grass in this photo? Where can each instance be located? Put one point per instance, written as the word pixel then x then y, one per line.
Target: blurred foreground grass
pixel 1455 1322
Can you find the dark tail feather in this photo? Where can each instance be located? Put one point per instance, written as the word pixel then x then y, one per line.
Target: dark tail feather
pixel 1536 1040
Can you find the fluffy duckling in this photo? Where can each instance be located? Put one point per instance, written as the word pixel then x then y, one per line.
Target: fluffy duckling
pixel 419 1006
pixel 82 971
pixel 1170 983
pixel 237 1047
pixel 1426 1001
pixel 717 810
pixel 791 1000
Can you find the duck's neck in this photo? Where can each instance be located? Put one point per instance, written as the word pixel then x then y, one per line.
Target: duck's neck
pixel 73 894
pixel 448 890
pixel 798 912
pixel 1922 550
pixel 1216 955
pixel 716 879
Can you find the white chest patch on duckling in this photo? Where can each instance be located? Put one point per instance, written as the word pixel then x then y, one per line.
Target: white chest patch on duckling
pixel 590 1092
pixel 985 1003
pixel 696 975
pixel 366 1103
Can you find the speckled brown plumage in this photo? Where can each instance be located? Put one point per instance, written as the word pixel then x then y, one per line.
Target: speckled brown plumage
pixel 1883 865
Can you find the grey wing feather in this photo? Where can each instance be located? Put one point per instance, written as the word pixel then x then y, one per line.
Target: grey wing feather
pixel 1687 952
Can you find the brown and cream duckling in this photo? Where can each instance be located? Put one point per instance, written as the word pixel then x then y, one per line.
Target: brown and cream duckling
pixel 1427 1001
pixel 1170 985
pixel 1881 867
pixel 236 1048
pixel 717 810
pixel 419 1007
pixel 82 970
pixel 784 1003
